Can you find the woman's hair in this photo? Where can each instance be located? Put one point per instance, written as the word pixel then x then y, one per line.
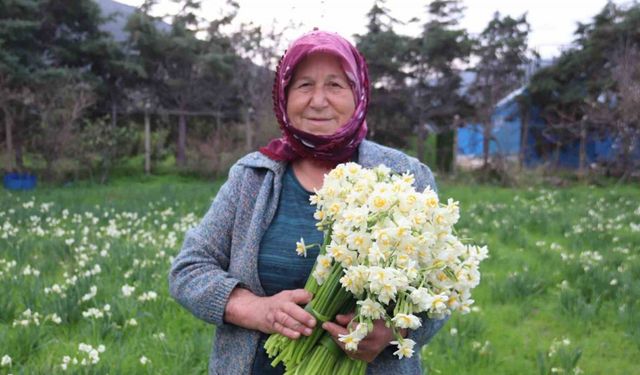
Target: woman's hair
pixel 295 143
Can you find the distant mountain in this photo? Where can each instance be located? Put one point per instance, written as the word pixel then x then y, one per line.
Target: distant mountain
pixel 121 13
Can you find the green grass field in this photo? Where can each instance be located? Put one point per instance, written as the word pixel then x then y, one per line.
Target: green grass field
pixel 88 265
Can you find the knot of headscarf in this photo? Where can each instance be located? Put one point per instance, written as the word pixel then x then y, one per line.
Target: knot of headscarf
pixel 295 143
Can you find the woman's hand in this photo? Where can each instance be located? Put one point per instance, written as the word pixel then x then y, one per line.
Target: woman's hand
pixel 371 346
pixel 280 313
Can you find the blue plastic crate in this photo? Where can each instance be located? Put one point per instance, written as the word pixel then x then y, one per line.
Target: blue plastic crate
pixel 19 181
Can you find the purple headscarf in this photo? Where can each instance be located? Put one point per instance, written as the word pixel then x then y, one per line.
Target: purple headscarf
pixel 295 143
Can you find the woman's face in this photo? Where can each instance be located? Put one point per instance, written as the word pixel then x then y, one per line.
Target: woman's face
pixel 320 100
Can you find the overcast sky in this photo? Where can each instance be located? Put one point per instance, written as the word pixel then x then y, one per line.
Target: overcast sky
pixel 552 21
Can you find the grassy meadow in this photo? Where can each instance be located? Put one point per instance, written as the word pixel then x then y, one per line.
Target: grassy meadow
pixel 83 275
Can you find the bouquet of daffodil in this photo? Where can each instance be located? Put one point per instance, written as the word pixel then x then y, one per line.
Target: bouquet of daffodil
pixel 391 253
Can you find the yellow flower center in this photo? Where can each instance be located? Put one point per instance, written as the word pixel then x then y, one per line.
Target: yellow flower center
pixel 379 202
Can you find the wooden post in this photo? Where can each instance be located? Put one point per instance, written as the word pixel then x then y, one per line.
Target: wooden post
pixel 181 158
pixel 8 131
pixel 147 141
pixel 486 136
pixel 583 148
pixel 249 133
pixel 455 146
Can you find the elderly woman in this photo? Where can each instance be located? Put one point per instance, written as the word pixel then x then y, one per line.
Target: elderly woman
pixel 238 268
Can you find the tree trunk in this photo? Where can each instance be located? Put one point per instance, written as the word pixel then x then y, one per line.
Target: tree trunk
pixel 626 142
pixel 8 130
pixel 454 152
pixel 248 131
pixel 486 136
pixel 147 143
pixel 19 158
pixel 422 137
pixel 181 159
pixel 583 150
pixel 444 151
pixel 109 153
pixel 114 114
pixel 556 156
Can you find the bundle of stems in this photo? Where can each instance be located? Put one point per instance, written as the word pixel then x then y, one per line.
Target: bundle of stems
pixel 329 299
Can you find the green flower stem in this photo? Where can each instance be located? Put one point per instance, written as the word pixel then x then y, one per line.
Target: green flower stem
pixel 348 366
pixel 321 360
pixel 330 298
pixel 312 285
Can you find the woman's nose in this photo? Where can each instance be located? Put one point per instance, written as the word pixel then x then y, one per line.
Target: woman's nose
pixel 318 98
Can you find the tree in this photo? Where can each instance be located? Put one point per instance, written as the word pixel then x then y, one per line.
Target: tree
pixel 183 70
pixel 253 78
pixel 385 52
pixel 61 99
pixel 41 40
pixel 591 89
pixel 20 55
pixel 503 54
pixel 436 57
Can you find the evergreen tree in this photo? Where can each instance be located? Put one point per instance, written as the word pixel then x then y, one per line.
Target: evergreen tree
pixel 591 88
pixel 437 55
pixel 503 55
pixel 385 52
pixel 45 43
pixel 184 72
pixel 20 57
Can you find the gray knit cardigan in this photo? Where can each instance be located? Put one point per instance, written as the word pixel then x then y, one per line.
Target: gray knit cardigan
pixel 222 253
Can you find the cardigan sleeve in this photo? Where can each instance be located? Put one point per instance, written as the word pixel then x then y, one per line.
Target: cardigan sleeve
pixel 422 335
pixel 198 278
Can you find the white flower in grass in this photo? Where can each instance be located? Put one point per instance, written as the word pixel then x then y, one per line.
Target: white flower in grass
pixel 28 270
pixel 132 322
pixel 92 293
pixel 92 312
pixel 6 361
pixel 144 360
pixel 127 290
pixel 54 318
pixel 405 348
pixel 406 321
pixel 148 296
pixel 65 362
